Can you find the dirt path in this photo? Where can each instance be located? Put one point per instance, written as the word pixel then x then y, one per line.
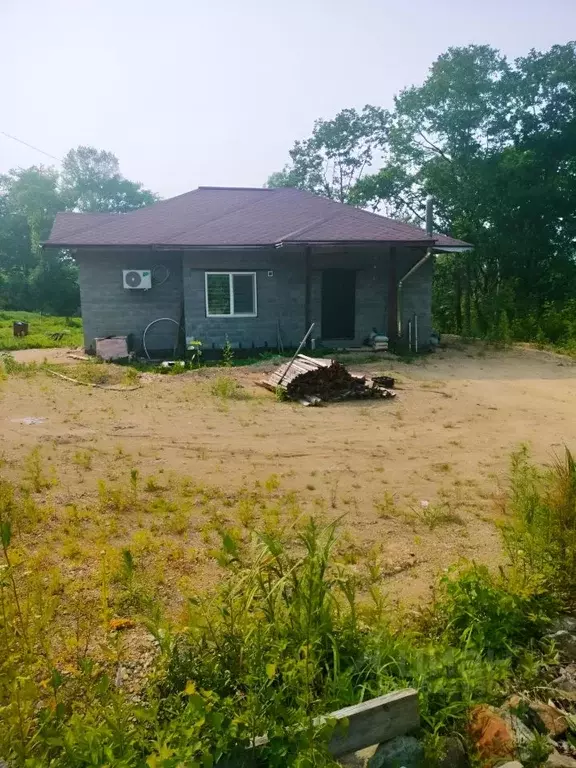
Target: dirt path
pixel 445 440
pixel 51 355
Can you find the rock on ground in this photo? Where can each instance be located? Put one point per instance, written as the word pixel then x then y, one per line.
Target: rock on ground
pixel 498 733
pixel 513 764
pixel 401 752
pixel 456 756
pixel 359 759
pixel 556 760
pixel 537 714
pixel 566 643
pixel 564 623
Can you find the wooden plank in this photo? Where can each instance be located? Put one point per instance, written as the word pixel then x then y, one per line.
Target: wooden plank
pixel 374 721
pixel 317 362
pixel 266 385
pixel 301 364
pixel 291 363
pixel 110 387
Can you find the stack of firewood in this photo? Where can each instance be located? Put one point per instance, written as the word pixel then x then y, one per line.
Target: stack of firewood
pixel 311 380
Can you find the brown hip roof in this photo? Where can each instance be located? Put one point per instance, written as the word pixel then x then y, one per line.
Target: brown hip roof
pixel 237 216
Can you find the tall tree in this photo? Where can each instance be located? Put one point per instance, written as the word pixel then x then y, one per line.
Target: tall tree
pixel 91 182
pixel 494 142
pixel 29 201
pixel 337 155
pixel 33 193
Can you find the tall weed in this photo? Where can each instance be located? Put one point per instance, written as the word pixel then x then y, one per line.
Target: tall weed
pixel 540 534
pixel 488 613
pixel 227 388
pixel 291 632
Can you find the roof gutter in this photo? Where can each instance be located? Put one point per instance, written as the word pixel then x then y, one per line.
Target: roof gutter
pixel 453 248
pixel 259 246
pixel 152 247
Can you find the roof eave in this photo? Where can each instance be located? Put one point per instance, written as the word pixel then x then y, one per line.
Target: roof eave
pixel 151 246
pixel 453 248
pixel 243 246
pixel 414 243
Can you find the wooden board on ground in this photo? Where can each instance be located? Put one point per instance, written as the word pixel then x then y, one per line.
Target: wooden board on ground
pixel 374 721
pixel 371 722
pixel 323 380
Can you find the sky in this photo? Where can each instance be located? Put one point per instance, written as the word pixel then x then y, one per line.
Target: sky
pixel 214 92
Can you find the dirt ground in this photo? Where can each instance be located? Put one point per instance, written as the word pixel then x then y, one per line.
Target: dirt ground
pixel 56 355
pixel 417 478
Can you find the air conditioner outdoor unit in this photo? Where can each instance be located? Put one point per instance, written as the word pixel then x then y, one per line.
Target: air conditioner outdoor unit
pixel 137 279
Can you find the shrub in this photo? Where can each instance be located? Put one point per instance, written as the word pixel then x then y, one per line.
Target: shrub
pixel 540 537
pixel 289 633
pixel 483 611
pixel 285 621
pixel 227 354
pixel 131 376
pixel 227 388
pixel 9 366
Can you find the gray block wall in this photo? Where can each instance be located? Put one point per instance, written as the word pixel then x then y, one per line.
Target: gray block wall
pixel 109 309
pixel 281 298
pixel 416 299
pixel 372 269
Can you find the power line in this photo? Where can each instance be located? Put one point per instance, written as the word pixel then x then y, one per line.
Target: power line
pixel 31 146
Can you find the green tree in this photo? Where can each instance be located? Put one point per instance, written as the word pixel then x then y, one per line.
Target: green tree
pixel 33 194
pixel 91 182
pixel 494 143
pixel 16 258
pixel 337 154
pixel 29 201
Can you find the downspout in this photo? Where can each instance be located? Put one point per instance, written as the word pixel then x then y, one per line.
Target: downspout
pixel 307 289
pixel 416 267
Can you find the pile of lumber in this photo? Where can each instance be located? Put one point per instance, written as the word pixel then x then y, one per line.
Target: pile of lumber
pixel 313 380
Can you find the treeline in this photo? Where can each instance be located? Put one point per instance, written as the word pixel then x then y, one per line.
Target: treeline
pixel 88 180
pixel 494 142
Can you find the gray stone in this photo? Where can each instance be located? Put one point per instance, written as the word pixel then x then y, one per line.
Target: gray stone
pixel 401 752
pixel 359 759
pixel 563 623
pixel 556 760
pixel 456 756
pixel 565 683
pixel 566 643
pixel 513 764
pixel 523 736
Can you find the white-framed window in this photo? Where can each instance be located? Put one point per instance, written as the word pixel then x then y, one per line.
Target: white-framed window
pixel 231 294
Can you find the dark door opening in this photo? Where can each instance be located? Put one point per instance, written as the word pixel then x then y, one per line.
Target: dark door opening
pixel 338 303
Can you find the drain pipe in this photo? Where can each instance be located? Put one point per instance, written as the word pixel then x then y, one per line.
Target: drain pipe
pixel 423 260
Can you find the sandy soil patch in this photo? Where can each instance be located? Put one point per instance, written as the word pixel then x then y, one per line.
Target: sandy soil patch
pixel 54 355
pixel 445 440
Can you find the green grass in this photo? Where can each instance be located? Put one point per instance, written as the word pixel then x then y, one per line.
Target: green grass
pixel 292 629
pixel 228 388
pixel 40 328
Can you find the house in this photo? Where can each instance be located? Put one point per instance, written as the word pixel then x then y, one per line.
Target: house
pixel 252 266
